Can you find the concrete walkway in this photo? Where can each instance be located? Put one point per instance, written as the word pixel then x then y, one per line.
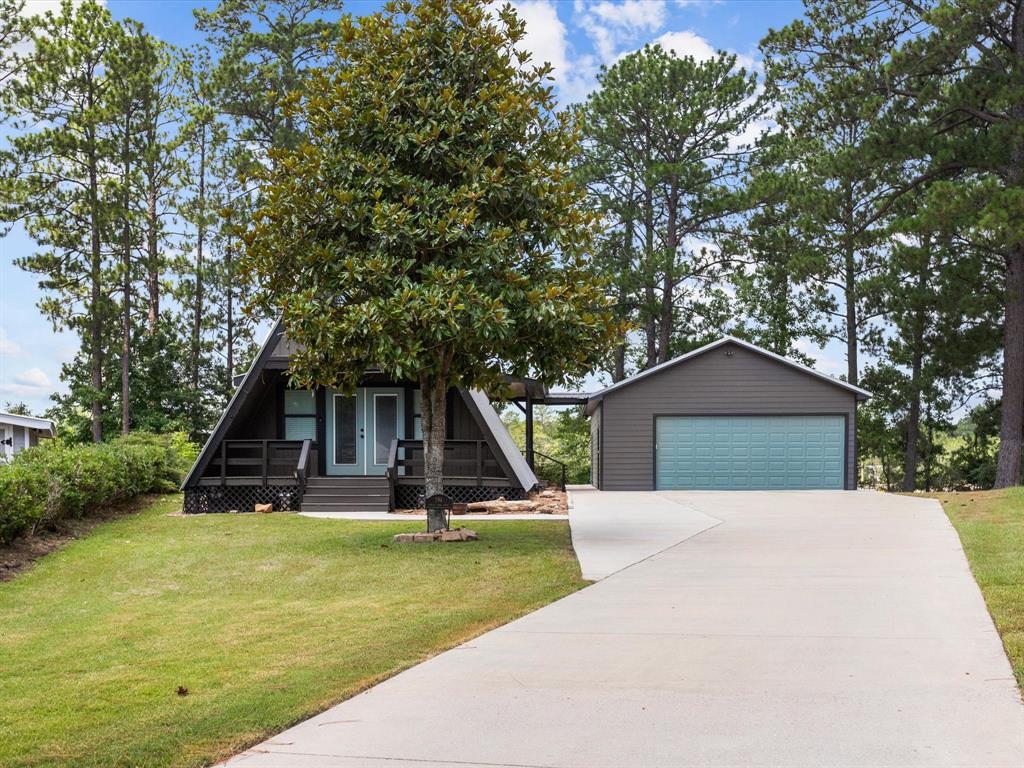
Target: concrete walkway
pixel 804 629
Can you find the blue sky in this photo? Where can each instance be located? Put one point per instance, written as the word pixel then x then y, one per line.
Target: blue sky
pixel 576 36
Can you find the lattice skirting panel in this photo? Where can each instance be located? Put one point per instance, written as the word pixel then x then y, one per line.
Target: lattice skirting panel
pixel 411 496
pixel 240 498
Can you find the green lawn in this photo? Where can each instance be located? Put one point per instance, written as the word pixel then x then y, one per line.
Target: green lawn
pixel 265 619
pixel 991 527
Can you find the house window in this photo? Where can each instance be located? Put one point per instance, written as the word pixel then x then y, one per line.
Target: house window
pixel 299 414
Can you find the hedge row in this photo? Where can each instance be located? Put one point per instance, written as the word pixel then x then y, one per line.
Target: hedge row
pixel 55 481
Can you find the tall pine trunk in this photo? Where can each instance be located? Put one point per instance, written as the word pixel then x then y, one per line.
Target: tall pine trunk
pixel 1011 430
pixel 95 298
pixel 126 282
pixel 668 281
pixel 650 326
pixel 850 290
pixel 910 453
pixel 197 309
pixel 619 364
pixel 230 308
pixel 913 421
pixel 152 258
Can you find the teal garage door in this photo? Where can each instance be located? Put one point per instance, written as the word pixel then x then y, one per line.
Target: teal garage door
pixel 749 452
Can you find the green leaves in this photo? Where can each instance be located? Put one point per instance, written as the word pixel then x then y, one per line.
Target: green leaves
pixel 430 224
pixel 662 155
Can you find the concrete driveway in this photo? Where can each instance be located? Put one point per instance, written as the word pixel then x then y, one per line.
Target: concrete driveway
pixel 752 629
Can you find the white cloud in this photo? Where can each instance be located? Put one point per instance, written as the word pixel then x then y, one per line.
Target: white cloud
pixel 825 360
pixel 641 15
pixel 689 43
pixel 33 378
pixel 39 7
pixel 611 25
pixel 8 347
pixel 545 33
pixel 30 384
pixel 546 39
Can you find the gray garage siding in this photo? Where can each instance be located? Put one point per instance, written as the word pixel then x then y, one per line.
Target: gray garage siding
pixel 712 383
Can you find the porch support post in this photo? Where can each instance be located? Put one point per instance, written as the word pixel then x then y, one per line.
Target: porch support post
pixel 529 430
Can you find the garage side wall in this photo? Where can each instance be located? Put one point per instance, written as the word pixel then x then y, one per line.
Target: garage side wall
pixel 711 384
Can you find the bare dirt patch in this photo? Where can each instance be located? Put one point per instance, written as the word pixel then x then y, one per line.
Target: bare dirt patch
pixel 19 555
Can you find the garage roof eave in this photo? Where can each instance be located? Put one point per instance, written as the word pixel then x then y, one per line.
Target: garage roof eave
pixel 860 394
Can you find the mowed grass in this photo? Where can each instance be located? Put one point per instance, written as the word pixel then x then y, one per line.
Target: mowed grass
pixel 991 528
pixel 265 620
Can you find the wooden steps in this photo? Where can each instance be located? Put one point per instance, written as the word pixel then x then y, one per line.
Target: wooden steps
pixel 346 494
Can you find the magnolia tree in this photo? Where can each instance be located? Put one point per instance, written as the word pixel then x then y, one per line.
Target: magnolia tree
pixel 429 225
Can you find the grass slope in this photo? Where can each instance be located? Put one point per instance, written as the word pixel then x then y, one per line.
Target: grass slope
pixel 265 619
pixel 991 528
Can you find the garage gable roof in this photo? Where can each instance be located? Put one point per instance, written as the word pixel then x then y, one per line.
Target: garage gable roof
pixel 861 394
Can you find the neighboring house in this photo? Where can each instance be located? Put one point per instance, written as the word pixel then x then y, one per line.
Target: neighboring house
pixel 18 432
pixel 321 450
pixel 729 415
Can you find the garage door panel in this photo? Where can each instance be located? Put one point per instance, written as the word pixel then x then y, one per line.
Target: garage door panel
pixel 749 452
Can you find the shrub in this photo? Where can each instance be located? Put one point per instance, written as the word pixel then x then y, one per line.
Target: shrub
pixel 55 481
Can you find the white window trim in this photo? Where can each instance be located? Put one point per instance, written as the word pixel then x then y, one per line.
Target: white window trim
pixel 334 431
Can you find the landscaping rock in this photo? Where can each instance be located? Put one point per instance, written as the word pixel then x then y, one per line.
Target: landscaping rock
pixel 459 534
pixel 264 508
pixel 422 537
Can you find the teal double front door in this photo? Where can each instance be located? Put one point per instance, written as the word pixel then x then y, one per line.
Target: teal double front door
pixel 749 452
pixel 360 429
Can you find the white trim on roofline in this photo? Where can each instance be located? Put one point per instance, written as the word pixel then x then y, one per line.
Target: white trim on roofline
pixel 862 394
pixel 33 422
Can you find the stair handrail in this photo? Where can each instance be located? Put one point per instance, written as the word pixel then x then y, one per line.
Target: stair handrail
pixel 392 472
pixel 301 469
pixel 562 465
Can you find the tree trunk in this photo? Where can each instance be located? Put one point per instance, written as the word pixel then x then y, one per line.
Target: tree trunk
pixel 650 327
pixel 152 259
pixel 666 313
pixel 95 298
pixel 126 282
pixel 229 329
pixel 916 365
pixel 929 455
pixel 850 276
pixel 197 310
pixel 1011 430
pixel 913 422
pixel 619 364
pixel 434 392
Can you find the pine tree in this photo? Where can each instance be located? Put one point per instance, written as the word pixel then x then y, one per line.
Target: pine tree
pixel 837 189
pixel 662 141
pixel 265 51
pixel 64 151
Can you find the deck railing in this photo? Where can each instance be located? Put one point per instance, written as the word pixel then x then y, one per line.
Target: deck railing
pixel 262 460
pixel 466 462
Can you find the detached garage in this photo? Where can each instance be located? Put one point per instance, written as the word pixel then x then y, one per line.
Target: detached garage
pixel 727 416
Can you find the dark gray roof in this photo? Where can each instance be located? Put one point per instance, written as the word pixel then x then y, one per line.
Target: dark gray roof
pixel 861 394
pixel 241 392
